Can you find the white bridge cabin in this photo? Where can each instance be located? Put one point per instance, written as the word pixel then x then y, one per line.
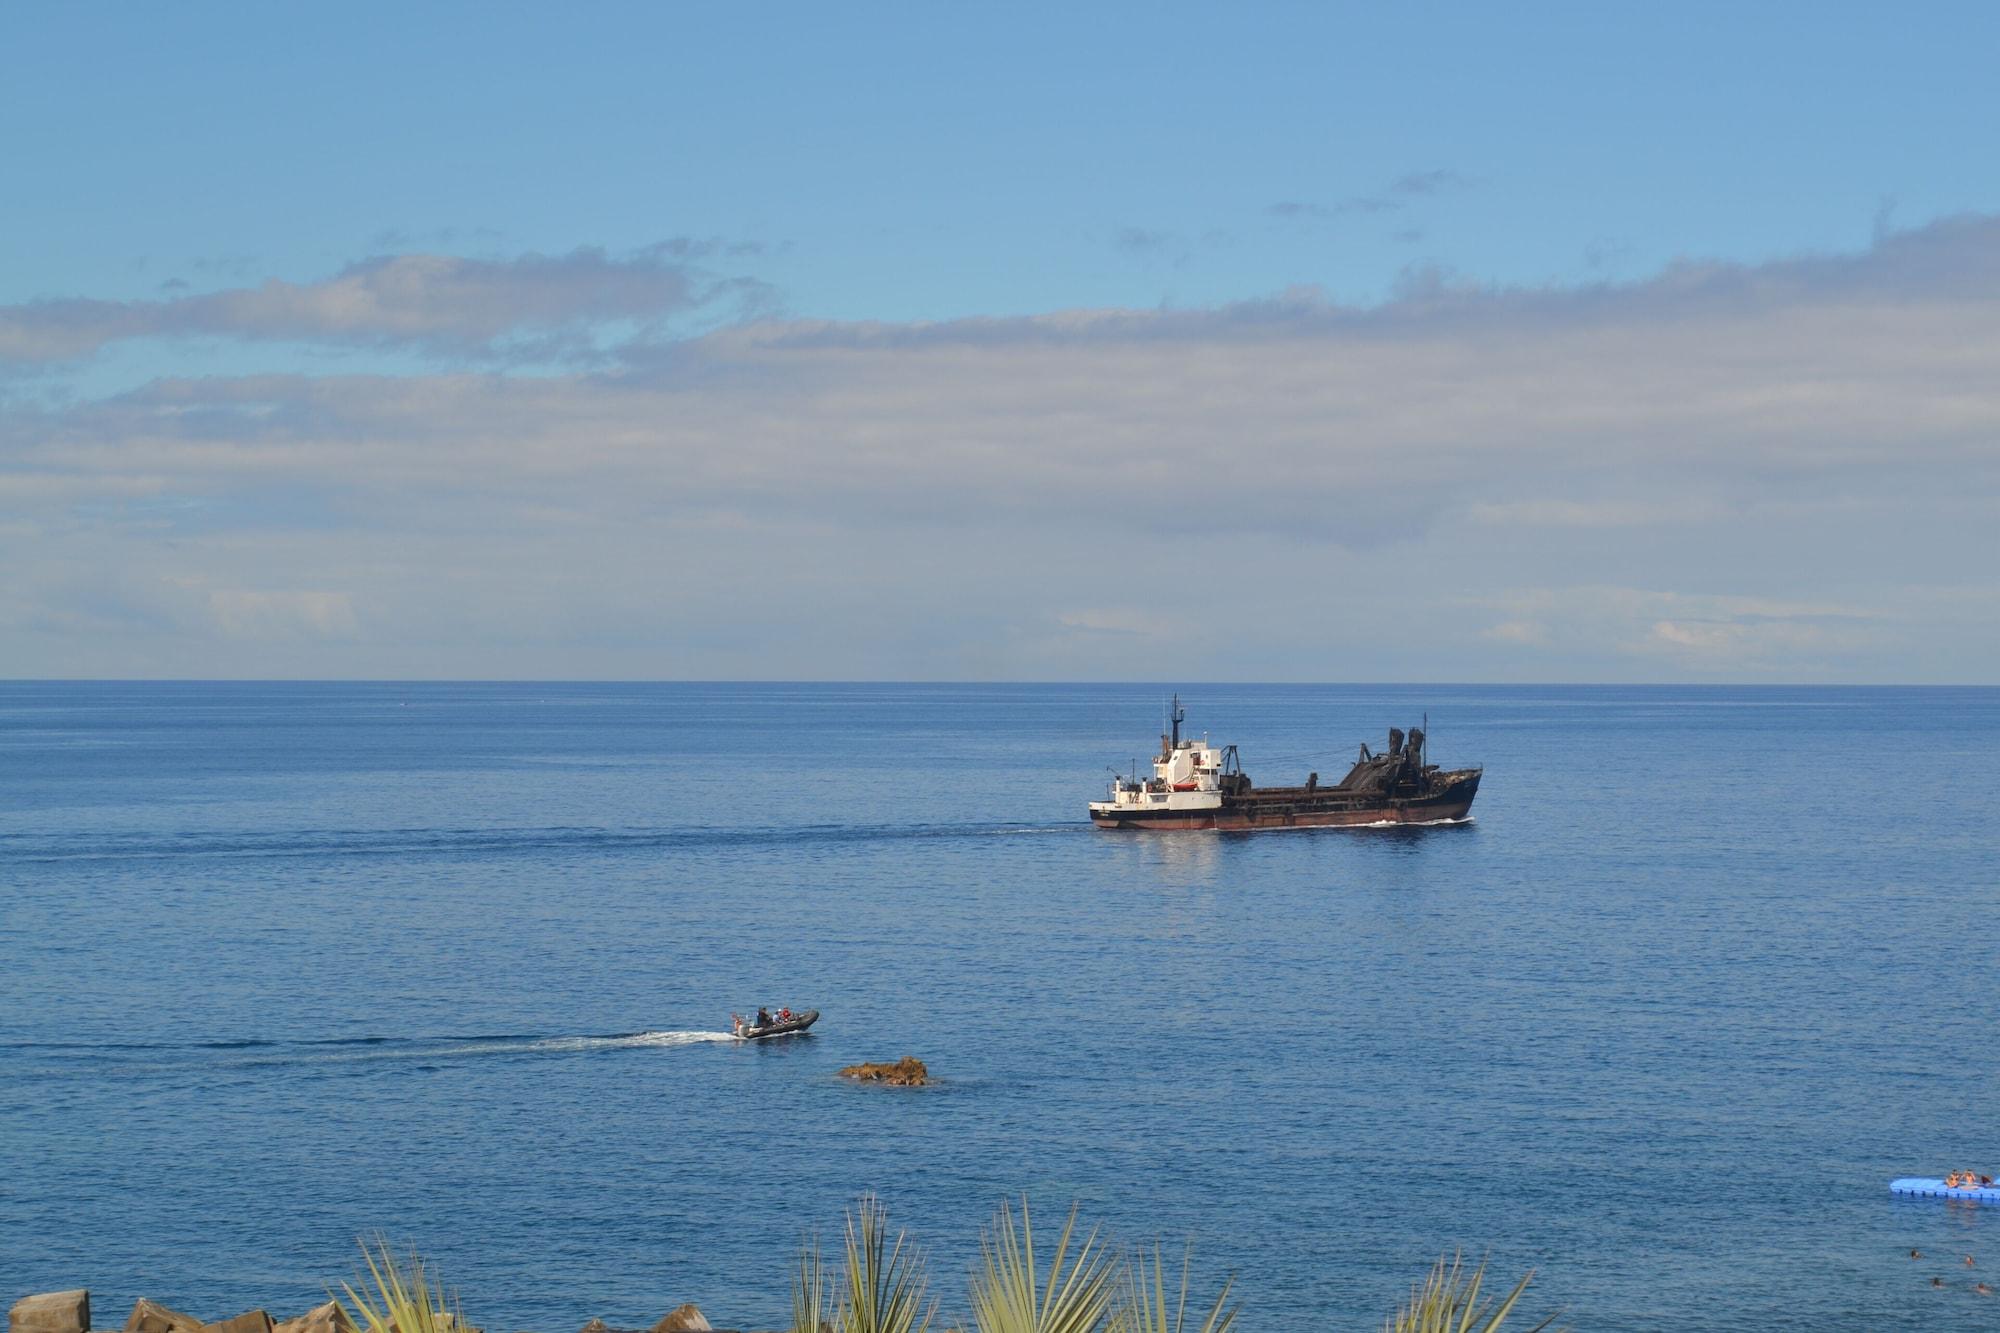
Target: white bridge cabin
pixel 1187 775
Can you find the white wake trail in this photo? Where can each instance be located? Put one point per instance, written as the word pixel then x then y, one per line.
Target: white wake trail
pixel 630 1040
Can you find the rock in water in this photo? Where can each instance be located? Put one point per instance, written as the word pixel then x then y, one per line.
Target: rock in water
pixel 152 1317
pixel 908 1072
pixel 51 1312
pixel 686 1319
pixel 328 1318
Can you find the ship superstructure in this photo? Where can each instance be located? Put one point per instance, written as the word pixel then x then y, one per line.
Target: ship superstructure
pixel 1197 786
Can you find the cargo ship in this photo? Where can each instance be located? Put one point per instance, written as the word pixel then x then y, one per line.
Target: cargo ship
pixel 1197 786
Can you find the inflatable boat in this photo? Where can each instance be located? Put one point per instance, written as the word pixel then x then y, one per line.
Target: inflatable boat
pixel 1934 1187
pixel 797 1023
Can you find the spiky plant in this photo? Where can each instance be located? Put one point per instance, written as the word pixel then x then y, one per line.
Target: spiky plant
pixel 1143 1308
pixel 810 1301
pixel 1010 1295
pixel 1448 1302
pixel 406 1298
pixel 883 1288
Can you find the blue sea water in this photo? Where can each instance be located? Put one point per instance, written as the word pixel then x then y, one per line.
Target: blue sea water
pixel 284 964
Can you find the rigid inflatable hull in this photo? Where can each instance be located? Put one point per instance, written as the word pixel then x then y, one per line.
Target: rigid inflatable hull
pixel 799 1024
pixel 1933 1187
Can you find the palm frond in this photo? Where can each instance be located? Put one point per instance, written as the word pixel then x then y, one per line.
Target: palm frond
pixel 406 1298
pixel 1010 1294
pixel 809 1291
pixel 1448 1302
pixel 883 1290
pixel 1143 1308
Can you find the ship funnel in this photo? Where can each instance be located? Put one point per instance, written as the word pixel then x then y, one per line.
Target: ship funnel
pixel 1395 741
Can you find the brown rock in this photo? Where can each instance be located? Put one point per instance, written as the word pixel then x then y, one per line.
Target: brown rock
pixel 686 1319
pixel 328 1318
pixel 152 1317
pixel 250 1321
pixel 51 1312
pixel 908 1072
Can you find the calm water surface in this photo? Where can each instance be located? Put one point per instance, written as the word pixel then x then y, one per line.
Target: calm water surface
pixel 284 964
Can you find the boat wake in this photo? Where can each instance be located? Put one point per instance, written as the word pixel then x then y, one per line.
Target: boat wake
pixel 353 1050
pixel 233 845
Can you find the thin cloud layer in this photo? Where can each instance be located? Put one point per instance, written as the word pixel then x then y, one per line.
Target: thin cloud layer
pixel 1776 471
pixel 1399 194
pixel 438 303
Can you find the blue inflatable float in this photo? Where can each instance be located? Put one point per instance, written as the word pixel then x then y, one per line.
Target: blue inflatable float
pixel 1934 1187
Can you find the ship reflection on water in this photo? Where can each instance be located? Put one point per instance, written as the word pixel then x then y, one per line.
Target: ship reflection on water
pixel 1210 857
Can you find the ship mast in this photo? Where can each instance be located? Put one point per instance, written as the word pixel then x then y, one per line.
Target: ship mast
pixel 1178 717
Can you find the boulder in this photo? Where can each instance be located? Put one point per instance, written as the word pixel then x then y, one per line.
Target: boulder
pixel 51 1312
pixel 328 1318
pixel 250 1321
pixel 908 1072
pixel 686 1319
pixel 152 1317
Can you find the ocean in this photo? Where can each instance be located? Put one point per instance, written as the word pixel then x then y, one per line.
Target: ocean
pixel 282 965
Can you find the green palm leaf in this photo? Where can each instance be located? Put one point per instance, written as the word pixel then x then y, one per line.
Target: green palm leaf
pixel 406 1299
pixel 1143 1307
pixel 882 1290
pixel 1448 1302
pixel 1010 1295
pixel 809 1291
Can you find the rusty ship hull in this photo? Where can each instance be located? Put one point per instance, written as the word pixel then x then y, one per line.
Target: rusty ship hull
pixel 1196 785
pixel 1309 807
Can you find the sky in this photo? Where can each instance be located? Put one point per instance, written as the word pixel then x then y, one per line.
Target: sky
pixel 1170 343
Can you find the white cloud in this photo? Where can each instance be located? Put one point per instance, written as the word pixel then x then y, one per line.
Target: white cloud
pixel 1518 631
pixel 441 303
pixel 262 613
pixel 1727 468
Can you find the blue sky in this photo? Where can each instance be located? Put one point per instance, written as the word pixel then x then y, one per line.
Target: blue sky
pixel 233 233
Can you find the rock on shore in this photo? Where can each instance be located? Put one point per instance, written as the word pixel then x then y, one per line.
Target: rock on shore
pixel 681 1319
pixel 328 1318
pixel 908 1072
pixel 250 1321
pixel 152 1317
pixel 69 1312
pixel 51 1312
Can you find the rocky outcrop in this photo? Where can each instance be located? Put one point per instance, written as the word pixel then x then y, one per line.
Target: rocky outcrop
pixel 69 1312
pixel 908 1072
pixel 51 1312
pixel 328 1318
pixel 152 1317
pixel 250 1321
